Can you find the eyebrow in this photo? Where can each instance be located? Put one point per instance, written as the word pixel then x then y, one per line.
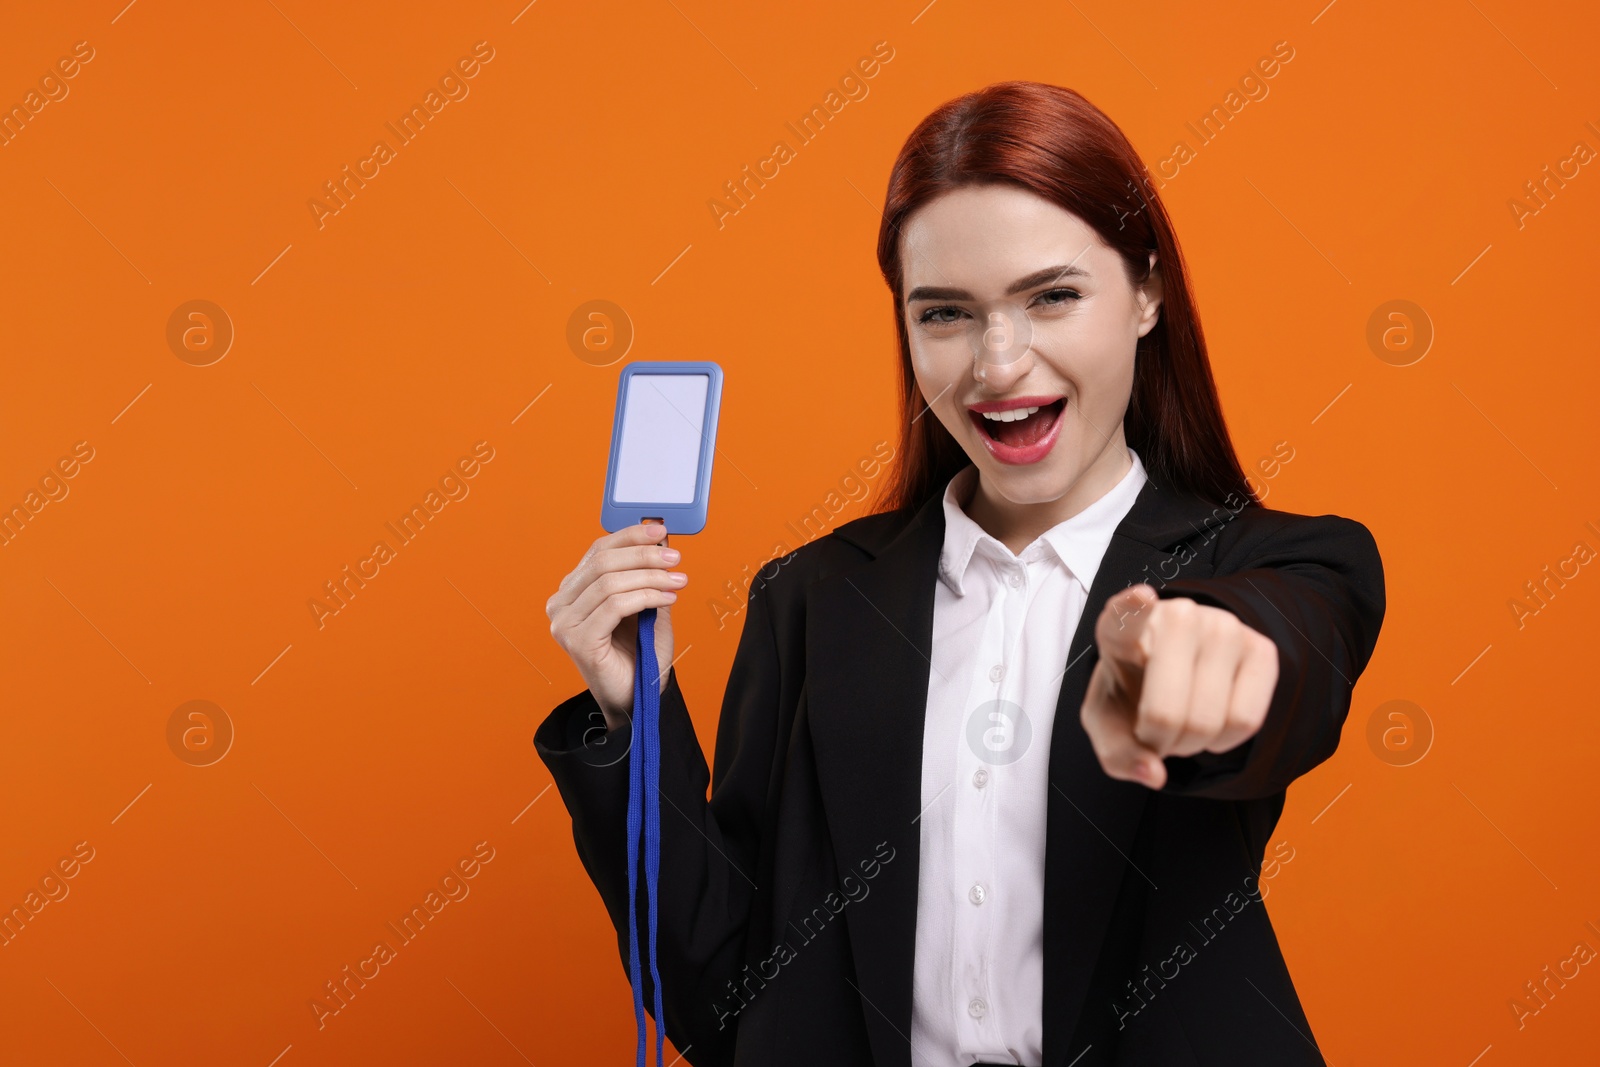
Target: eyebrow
pixel 1038 277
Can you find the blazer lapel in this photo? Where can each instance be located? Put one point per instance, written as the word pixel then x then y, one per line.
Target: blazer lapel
pixel 1092 818
pixel 869 637
pixel 869 631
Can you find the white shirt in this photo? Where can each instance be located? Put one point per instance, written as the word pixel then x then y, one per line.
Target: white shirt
pixel 1002 624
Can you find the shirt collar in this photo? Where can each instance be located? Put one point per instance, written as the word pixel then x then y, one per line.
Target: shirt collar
pixel 1079 542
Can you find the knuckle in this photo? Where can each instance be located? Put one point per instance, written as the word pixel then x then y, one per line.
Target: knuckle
pixel 1186 743
pixel 1157 715
pixel 1244 720
pixel 1165 615
pixel 1156 722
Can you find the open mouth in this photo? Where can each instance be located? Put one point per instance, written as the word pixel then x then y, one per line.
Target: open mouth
pixel 1020 427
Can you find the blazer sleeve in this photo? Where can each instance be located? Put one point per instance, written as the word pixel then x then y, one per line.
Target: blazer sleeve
pixel 709 849
pixel 1314 584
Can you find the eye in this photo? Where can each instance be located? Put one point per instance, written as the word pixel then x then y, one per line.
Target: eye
pixel 934 315
pixel 1064 294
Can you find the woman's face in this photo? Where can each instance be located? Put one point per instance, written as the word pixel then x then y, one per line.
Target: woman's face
pixel 1013 303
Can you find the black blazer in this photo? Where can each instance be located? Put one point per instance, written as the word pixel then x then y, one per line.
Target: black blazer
pixel 787 917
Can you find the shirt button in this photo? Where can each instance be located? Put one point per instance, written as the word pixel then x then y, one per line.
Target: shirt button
pixel 980 777
pixel 997 672
pixel 975 894
pixel 1016 580
pixel 976 1007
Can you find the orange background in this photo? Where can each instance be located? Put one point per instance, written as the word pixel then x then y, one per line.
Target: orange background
pixel 371 353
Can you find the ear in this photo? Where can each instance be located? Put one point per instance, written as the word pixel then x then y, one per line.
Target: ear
pixel 1149 295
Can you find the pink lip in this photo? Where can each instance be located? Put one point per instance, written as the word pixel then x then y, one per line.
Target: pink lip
pixel 1014 402
pixel 1009 454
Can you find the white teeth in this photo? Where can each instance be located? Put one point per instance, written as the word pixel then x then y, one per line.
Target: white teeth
pixel 1008 416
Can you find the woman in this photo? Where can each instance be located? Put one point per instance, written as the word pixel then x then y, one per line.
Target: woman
pixel 997 765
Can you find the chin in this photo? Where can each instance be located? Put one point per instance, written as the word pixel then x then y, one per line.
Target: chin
pixel 1037 483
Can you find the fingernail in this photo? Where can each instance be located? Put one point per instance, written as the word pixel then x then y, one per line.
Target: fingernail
pixel 677 577
pixel 654 529
pixel 671 555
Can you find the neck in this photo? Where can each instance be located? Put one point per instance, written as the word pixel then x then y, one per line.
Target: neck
pixel 1017 525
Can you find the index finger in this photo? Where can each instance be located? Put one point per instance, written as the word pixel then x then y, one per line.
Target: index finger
pixel 1122 622
pixel 1109 726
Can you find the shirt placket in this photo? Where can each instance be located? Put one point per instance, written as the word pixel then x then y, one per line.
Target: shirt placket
pixel 980 777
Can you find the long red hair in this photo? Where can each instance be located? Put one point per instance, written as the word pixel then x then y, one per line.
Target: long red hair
pixel 1056 144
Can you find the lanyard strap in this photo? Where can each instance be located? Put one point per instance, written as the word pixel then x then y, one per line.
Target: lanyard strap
pixel 644 806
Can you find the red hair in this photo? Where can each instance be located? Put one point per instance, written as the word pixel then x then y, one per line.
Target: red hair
pixel 1054 143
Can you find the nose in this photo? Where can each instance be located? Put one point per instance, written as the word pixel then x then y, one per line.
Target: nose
pixel 1003 352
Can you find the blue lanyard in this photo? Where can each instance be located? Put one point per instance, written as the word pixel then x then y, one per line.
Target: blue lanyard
pixel 644 778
